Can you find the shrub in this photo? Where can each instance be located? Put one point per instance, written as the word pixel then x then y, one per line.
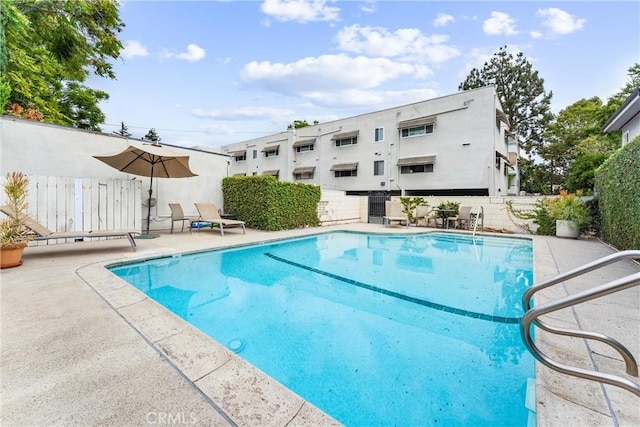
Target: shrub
pixel 265 203
pixel 618 183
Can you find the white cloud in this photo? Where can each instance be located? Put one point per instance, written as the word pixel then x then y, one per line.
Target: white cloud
pixel 324 73
pixel 365 99
pixel 442 20
pixel 499 24
pixel 536 34
pixel 559 21
pixel 406 43
pixel 300 10
pixel 369 6
pixel 133 48
pixel 194 53
pixel 245 113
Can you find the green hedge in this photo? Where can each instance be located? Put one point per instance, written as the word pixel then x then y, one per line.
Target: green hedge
pixel 265 203
pixel 618 185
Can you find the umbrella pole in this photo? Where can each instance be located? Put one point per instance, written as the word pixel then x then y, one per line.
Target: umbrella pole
pixel 149 201
pixel 148 235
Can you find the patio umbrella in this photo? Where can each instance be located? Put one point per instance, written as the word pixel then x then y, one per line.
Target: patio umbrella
pixel 152 160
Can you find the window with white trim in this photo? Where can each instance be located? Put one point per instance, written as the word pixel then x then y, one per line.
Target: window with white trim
pixel 378 135
pixel 340 174
pixel 416 168
pixel 255 154
pixel 344 142
pixel 304 148
pixel 378 167
pixel 303 175
pixel 416 131
pixel 240 157
pixel 271 153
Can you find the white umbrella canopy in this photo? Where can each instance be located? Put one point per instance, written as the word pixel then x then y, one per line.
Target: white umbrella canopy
pixel 152 160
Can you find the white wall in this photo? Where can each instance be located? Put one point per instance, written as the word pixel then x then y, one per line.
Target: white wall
pixel 337 208
pixel 41 149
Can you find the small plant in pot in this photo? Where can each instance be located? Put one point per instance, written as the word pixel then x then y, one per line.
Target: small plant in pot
pixel 571 215
pixel 14 234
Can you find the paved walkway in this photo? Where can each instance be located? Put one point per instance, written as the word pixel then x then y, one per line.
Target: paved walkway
pixel 79 347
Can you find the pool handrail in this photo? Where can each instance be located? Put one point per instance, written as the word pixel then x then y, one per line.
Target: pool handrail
pixel 532 314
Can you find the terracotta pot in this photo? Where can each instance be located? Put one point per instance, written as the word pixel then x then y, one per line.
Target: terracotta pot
pixel 11 256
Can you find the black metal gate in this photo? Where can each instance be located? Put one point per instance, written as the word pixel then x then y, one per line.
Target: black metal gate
pixel 376 206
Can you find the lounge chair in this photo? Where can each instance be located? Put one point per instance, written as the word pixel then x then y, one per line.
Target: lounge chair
pixel 40 232
pixel 209 213
pixel 393 213
pixel 177 214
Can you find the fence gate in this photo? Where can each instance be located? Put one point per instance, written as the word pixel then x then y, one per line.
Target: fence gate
pixel 376 206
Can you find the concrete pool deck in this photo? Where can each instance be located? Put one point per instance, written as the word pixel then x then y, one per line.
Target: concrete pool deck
pixel 79 346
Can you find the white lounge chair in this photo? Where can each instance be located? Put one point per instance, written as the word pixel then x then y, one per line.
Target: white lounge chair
pixel 209 213
pixel 40 232
pixel 393 213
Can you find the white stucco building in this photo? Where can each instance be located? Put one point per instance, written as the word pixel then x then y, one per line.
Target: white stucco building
pixel 458 144
pixel 626 119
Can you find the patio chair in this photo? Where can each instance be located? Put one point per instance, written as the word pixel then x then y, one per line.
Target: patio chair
pixel 463 219
pixel 426 215
pixel 393 213
pixel 40 232
pixel 209 213
pixel 177 214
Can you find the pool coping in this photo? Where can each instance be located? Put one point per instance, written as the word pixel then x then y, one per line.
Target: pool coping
pixel 242 394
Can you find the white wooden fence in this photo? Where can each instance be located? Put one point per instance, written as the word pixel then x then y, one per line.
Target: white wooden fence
pixel 75 204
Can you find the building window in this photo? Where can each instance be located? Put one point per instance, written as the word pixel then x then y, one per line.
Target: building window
pixel 346 141
pixel 340 174
pixel 304 148
pixel 303 175
pixel 625 138
pixel 379 135
pixel 416 131
pixel 255 154
pixel 378 167
pixel 416 168
pixel 271 153
pixel 240 158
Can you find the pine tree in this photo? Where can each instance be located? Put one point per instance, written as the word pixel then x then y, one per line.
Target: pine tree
pixel 152 136
pixel 124 131
pixel 521 92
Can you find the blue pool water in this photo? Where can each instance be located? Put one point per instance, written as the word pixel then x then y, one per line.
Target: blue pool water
pixel 375 330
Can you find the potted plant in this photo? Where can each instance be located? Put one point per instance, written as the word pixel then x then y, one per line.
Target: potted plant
pixel 570 213
pixel 14 235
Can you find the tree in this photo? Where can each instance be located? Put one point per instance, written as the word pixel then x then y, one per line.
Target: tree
pixel 576 130
pixel 616 100
pixel 52 48
pixel 297 124
pixel 582 173
pixel 521 93
pixel 124 131
pixel 152 136
pixel 80 104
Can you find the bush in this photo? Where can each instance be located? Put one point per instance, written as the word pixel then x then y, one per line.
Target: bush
pixel 549 209
pixel 618 184
pixel 265 203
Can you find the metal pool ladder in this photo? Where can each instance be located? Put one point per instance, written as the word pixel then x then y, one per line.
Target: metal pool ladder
pixel 532 315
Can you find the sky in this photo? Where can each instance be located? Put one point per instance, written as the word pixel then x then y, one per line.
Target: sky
pixel 209 73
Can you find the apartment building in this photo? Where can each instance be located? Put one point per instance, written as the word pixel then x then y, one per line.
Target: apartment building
pixel 456 145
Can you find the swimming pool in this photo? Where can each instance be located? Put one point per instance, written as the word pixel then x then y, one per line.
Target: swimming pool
pixel 373 329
